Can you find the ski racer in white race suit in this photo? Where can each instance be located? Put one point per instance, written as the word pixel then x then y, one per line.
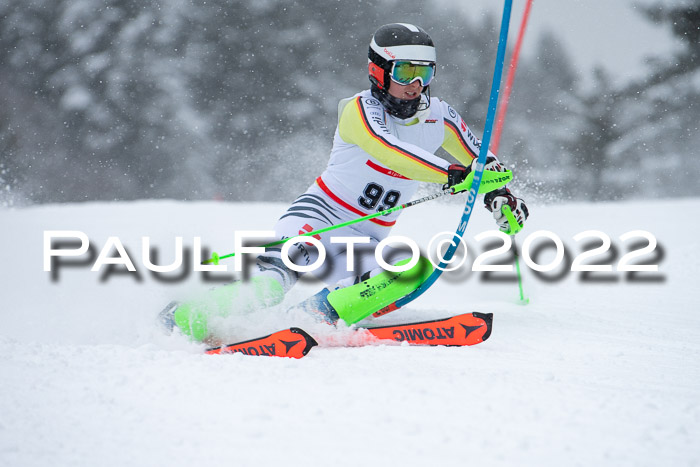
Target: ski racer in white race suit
pixel 383 148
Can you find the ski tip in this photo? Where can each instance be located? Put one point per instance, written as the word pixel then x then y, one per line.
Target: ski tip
pixel 488 319
pixel 310 341
pixel 285 343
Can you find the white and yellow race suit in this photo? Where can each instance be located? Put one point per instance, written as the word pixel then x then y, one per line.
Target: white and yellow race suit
pixel 377 162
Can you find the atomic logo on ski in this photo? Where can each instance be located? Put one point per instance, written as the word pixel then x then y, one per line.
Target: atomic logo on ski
pixel 470 329
pixel 289 345
pixel 416 334
pixel 439 332
pixel 269 345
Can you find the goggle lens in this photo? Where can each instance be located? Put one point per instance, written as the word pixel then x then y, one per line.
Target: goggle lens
pixel 408 72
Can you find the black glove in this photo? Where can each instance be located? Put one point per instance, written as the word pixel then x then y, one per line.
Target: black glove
pixel 496 199
pixel 456 173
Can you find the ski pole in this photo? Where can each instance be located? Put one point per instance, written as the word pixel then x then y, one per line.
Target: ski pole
pixel 502 110
pixel 215 258
pixel 514 228
pixel 490 181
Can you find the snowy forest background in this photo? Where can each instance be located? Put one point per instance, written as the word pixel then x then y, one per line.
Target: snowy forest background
pixel 237 99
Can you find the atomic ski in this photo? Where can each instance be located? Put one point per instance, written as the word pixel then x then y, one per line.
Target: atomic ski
pixel 292 342
pixel 460 330
pixel 465 329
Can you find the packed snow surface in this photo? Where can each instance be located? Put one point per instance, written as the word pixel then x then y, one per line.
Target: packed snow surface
pixel 595 370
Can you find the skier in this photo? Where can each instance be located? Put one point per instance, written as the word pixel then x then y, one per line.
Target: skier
pixel 383 148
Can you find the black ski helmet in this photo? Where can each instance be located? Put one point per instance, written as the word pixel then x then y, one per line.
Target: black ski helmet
pixel 397 42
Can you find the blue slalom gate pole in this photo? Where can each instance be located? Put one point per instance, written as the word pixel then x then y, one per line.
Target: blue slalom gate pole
pixel 483 152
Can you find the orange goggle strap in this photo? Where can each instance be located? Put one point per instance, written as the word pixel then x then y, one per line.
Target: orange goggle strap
pixel 377 72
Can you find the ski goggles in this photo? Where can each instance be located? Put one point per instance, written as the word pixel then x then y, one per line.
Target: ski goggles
pixel 405 72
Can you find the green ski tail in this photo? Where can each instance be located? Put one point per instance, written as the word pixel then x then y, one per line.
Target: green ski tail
pixel 357 302
pixel 193 318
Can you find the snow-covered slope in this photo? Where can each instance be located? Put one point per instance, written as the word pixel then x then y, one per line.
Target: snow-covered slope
pixel 589 373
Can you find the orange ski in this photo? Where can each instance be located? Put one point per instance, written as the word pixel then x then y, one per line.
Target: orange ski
pixel 465 329
pixel 292 342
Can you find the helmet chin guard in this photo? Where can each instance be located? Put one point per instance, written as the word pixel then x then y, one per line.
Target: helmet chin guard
pixel 401 108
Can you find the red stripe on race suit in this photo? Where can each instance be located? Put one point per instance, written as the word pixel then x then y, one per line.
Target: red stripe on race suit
pixel 451 126
pixel 349 207
pixel 392 147
pixel 385 170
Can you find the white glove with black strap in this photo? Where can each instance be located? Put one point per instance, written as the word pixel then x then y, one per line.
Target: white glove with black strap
pixel 492 164
pixel 496 199
pixel 456 173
